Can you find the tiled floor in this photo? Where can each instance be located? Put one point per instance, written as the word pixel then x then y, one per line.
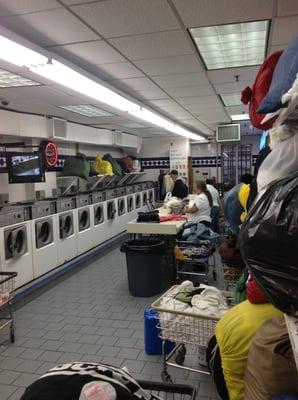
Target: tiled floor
pixel 90 316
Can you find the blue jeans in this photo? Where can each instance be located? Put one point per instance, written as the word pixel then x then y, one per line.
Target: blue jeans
pixel 215 219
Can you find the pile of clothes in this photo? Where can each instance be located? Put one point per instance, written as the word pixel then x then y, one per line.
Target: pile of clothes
pixel 153 216
pixel 196 232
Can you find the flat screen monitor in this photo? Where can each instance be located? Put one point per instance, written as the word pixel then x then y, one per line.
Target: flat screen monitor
pixel 263 140
pixel 25 167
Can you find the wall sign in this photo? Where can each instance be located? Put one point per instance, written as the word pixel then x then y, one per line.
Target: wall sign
pixel 178 161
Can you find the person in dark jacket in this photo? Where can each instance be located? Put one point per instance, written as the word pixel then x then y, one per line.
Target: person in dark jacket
pixel 180 189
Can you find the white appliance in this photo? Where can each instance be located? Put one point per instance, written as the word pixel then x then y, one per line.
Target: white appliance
pixel 83 223
pixel 144 196
pixel 65 222
pixel 121 209
pixel 151 193
pixel 99 218
pixel 130 203
pixel 112 213
pixel 138 199
pixel 15 244
pixel 44 236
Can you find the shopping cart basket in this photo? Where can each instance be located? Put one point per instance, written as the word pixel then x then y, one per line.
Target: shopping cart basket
pixel 184 328
pixel 169 391
pixel 193 259
pixel 7 283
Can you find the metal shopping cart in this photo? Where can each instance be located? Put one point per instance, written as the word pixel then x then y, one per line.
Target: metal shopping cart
pixel 184 328
pixel 7 282
pixel 194 259
pixel 169 391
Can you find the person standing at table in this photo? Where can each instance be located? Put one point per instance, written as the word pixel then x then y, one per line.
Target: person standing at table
pixel 215 207
pixel 180 189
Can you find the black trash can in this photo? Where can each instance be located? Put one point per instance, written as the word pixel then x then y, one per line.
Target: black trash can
pixel 146 267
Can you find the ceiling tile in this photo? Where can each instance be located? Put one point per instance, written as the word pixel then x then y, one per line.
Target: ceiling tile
pixel 117 18
pixel 189 91
pixel 95 52
pixel 235 87
pixel 237 109
pixel 149 94
pixel 122 70
pixel 45 94
pixel 153 45
pixel 49 27
pixel 15 7
pixel 284 29
pixel 134 84
pixel 229 75
pixel 287 7
pixel 180 80
pixel 214 117
pixel 203 100
pixel 170 65
pixel 74 2
pixel 214 12
pixel 162 103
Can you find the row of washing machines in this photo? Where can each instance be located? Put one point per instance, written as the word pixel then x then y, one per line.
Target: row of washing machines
pixel 37 237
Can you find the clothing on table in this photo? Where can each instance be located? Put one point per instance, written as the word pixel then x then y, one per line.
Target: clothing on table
pixel 180 189
pixel 204 209
pixel 172 217
pixel 149 216
pixel 214 193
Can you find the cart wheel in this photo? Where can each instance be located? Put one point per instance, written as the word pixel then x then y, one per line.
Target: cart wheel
pixel 12 334
pixel 165 377
pixel 215 275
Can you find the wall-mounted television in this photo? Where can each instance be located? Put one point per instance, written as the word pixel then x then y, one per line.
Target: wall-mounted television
pixel 25 167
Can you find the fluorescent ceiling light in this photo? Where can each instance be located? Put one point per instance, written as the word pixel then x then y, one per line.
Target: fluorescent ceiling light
pixel 8 79
pixel 232 45
pixel 161 122
pixel 60 73
pixel 239 117
pixel 88 110
pixel 230 100
pixel 133 125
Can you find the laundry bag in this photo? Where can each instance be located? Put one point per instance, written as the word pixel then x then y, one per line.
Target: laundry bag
pixel 102 167
pixel 117 170
pixel 268 243
pixel 76 166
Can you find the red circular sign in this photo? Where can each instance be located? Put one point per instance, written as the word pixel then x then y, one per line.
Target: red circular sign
pixel 50 154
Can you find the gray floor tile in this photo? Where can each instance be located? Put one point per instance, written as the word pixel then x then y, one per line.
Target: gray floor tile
pixel 106 340
pixel 71 337
pixel 116 361
pixel 108 351
pixel 8 377
pixel 10 363
pixel 126 342
pixel 25 379
pixel 90 349
pixel 34 333
pixel 105 331
pixel 53 335
pixel 6 391
pixel 89 330
pixel 121 332
pixel 133 366
pixel 13 351
pixel 70 357
pixel 49 355
pixel 17 394
pixel 32 354
pixel 33 343
pixel 88 339
pixel 121 324
pixel 130 354
pixel 29 366
pixel 51 345
pixel 70 328
pixel 69 347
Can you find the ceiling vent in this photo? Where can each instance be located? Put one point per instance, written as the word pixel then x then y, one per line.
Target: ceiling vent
pixel 58 128
pixel 228 133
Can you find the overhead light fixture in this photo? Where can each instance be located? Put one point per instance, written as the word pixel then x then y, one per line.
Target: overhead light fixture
pixel 232 45
pixel 60 73
pixel 161 122
pixel 239 117
pixel 133 125
pixel 230 100
pixel 8 79
pixel 88 110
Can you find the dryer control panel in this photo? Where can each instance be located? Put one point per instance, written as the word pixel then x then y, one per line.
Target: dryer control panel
pixel 110 194
pixel 66 204
pixel 120 192
pixel 138 188
pixel 130 189
pixel 98 197
pixel 83 200
pixel 43 208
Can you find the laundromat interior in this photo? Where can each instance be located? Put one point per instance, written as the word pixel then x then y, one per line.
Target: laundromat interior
pixel 148 199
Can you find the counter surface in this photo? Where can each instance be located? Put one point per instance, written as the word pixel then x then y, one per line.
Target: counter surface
pixel 163 228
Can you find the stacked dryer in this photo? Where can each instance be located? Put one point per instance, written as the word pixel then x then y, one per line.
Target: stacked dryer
pixel 99 211
pixel 84 223
pixel 15 243
pixel 151 192
pixel 67 237
pixel 44 234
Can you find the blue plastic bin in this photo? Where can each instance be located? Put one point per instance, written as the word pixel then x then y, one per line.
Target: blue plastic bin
pixel 153 343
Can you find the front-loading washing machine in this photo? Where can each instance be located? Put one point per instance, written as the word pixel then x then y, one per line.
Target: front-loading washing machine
pixel 112 213
pixel 144 196
pixel 122 209
pixel 44 236
pixel 99 217
pixel 15 244
pixel 138 199
pixel 84 225
pixel 151 193
pixel 130 203
pixel 65 222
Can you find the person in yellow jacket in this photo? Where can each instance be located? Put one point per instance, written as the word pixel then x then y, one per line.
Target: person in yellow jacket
pixel 234 333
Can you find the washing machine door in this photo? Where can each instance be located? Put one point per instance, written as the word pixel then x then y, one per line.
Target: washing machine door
pixel 121 207
pixel 84 219
pixel 66 225
pixel 129 203
pixel 138 200
pixel 98 214
pixel 15 242
pixel 43 233
pixel 111 210
pixel 144 198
